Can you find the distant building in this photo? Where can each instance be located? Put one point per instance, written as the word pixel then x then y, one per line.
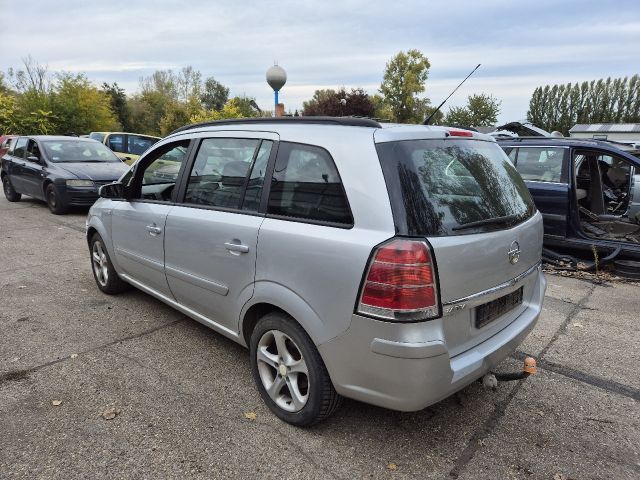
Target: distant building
pixel 619 132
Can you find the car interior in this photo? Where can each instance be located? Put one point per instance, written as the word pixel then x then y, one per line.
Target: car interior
pixel 603 192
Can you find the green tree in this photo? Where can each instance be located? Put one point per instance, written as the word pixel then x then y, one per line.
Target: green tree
pixel 214 94
pixel 404 79
pixel 118 103
pixel 481 111
pixel 80 107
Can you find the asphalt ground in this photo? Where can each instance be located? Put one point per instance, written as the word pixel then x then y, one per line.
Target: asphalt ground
pixel 186 406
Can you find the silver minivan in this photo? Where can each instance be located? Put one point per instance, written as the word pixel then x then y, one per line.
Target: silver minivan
pixel 391 264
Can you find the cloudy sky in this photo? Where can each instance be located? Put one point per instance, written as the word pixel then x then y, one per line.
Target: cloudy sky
pixel 328 44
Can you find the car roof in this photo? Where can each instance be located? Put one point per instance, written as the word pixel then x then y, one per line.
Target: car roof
pixel 59 137
pixel 128 133
pixel 383 132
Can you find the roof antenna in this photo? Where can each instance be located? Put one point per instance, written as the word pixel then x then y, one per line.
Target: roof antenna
pixel 426 122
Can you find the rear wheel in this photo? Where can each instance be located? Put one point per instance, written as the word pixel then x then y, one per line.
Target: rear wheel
pixel 289 372
pixel 54 202
pixel 9 191
pixel 103 272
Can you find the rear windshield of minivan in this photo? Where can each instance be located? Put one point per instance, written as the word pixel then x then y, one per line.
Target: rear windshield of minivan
pixel 452 187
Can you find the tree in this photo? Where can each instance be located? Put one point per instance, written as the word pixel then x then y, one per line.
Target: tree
pixel 80 107
pixel 339 103
pixel 247 106
pixel 118 103
pixel 481 111
pixel 559 107
pixel 214 94
pixel 404 78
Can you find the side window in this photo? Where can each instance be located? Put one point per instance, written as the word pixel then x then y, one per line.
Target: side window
pixel 156 175
pixel 306 185
pixel 541 164
pixel 116 143
pixel 137 145
pixel 33 150
pixel 20 148
pixel 220 171
pixel 256 179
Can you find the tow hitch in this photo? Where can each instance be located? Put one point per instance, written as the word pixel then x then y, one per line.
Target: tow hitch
pixel 490 380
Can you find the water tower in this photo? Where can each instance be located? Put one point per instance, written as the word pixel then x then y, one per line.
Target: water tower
pixel 276 78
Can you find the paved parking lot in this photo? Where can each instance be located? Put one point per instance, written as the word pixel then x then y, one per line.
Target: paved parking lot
pixel 183 391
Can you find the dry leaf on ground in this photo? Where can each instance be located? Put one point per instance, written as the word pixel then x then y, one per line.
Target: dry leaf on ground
pixel 250 416
pixel 110 413
pixel 56 403
pixel 392 466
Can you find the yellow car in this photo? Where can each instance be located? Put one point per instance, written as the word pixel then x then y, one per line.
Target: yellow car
pixel 127 146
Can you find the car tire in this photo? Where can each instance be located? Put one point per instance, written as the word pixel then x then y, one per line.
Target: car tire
pixel 289 372
pixel 54 202
pixel 9 191
pixel 104 274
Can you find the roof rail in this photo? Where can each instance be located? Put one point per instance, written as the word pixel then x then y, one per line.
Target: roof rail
pixel 345 121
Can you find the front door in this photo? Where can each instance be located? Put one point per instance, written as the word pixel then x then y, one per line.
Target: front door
pixel 211 237
pixel 138 225
pixel 545 171
pixel 33 171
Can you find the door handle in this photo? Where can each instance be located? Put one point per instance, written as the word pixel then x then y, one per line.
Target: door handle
pixel 153 230
pixel 236 247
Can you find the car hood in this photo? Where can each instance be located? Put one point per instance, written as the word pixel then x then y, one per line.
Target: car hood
pixel 96 171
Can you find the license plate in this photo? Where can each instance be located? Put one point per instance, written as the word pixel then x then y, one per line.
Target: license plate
pixel 488 312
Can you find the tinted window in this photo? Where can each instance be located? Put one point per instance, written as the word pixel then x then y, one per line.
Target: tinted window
pixel 97 136
pixel 438 185
pixel 306 185
pixel 20 148
pixel 540 164
pixel 220 171
pixel 256 179
pixel 77 151
pixel 137 145
pixel 116 143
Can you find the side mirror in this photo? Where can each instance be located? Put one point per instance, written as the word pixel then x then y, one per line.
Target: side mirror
pixel 111 190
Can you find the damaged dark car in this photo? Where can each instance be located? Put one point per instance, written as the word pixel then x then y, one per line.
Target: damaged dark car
pixel 588 192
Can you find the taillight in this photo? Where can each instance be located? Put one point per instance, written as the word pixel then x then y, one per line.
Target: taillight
pixel 401 283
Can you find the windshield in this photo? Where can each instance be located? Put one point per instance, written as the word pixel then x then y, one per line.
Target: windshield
pixel 59 151
pixel 437 186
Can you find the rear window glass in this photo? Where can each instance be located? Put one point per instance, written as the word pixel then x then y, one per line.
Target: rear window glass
pixel 452 187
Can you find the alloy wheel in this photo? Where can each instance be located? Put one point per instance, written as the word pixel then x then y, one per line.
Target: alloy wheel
pixel 100 261
pixel 283 371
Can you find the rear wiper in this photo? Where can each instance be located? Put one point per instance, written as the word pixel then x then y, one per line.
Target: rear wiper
pixel 487 221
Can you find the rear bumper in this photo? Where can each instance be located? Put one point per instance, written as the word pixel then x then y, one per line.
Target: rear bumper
pixel 408 366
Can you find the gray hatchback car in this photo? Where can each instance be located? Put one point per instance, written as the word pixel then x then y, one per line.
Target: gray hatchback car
pixel 392 264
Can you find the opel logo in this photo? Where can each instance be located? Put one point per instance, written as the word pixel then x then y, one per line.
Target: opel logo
pixel 514 253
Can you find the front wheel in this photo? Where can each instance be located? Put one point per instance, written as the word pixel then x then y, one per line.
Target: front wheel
pixel 9 191
pixel 289 372
pixel 105 275
pixel 54 202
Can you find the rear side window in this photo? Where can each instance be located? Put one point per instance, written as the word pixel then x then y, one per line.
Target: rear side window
pixel 541 164
pixel 443 187
pixel 306 185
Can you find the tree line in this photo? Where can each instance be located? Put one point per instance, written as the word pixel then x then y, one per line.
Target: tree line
pixel 559 107
pixel 36 101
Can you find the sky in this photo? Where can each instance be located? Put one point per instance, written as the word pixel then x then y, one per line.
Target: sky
pixel 330 44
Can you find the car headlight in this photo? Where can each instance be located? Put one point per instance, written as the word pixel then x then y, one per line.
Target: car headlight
pixel 79 183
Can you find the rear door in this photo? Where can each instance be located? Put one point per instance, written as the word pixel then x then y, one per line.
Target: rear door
pixel 138 225
pixel 545 172
pixel 211 236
